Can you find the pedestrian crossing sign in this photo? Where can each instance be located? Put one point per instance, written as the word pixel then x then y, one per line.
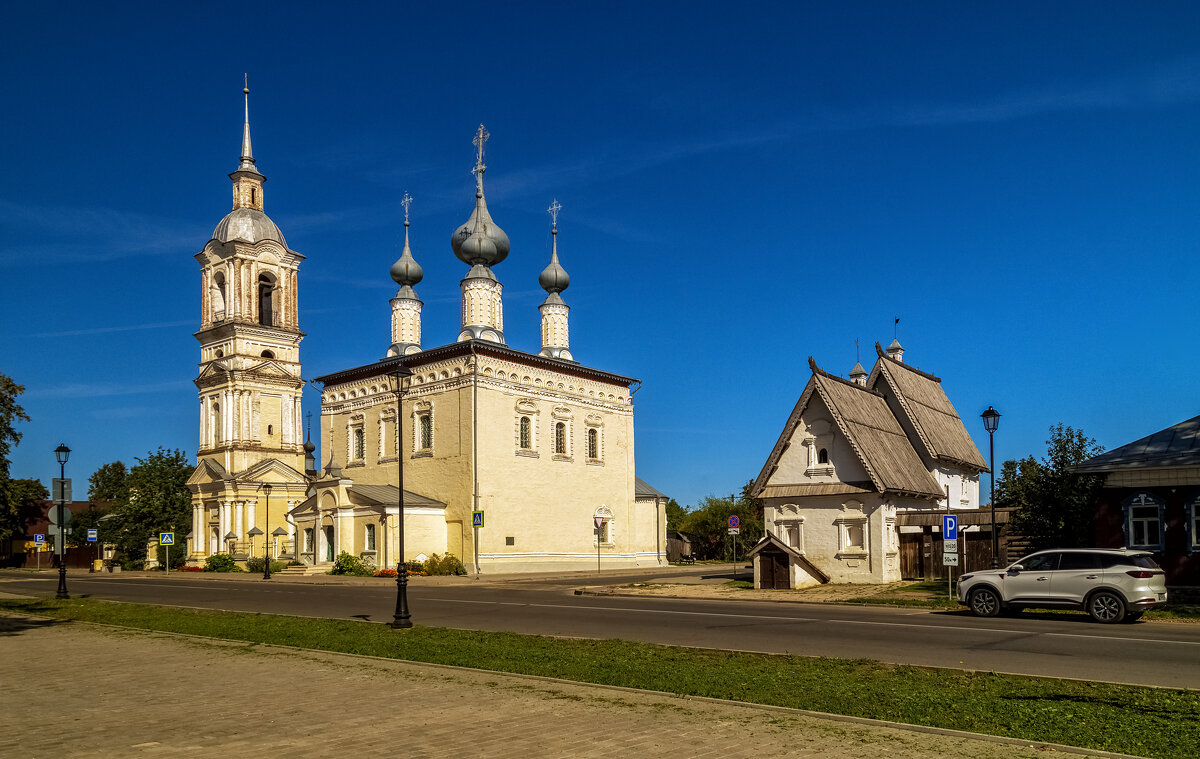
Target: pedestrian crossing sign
pixel 166 538
pixel 477 519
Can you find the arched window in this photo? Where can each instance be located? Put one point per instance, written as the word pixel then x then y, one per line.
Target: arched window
pixel 218 296
pixel 560 438
pixel 253 195
pixel 369 541
pixel 265 288
pixel 526 433
pixel 216 423
pixel 358 445
pixel 308 540
pixel 593 448
pixel 823 456
pixel 267 354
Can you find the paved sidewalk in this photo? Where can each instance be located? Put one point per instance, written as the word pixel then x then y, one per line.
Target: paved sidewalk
pixel 80 690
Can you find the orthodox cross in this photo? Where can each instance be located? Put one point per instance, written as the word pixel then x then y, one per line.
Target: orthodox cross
pixel 481 136
pixel 406 201
pixel 553 210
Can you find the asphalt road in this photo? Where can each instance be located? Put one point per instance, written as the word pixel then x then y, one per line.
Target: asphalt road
pixel 1054 645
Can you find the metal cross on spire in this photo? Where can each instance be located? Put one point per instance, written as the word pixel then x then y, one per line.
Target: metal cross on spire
pixel 481 136
pixel 406 201
pixel 553 211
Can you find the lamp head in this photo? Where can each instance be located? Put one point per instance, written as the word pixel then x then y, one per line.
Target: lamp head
pixel 991 419
pixel 62 453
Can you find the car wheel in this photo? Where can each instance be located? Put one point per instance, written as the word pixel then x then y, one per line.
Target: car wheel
pixel 985 602
pixel 1106 606
pixel 1134 616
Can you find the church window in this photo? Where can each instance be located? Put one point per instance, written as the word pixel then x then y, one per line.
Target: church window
pixel 358 444
pixel 270 429
pixel 369 538
pixel 266 288
pixel 425 431
pixel 268 354
pixel 526 433
pixel 218 296
pixel 253 196
pixel 220 353
pixel 593 449
pixel 216 423
pixel 308 540
pixel 560 438
pixel 823 456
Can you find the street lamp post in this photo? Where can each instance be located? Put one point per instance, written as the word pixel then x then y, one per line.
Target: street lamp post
pixel 62 453
pixel 266 486
pixel 402 619
pixel 991 421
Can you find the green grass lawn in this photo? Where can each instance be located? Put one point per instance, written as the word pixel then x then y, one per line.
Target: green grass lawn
pixel 1134 720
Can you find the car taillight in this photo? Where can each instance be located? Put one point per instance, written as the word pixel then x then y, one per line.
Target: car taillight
pixel 1141 574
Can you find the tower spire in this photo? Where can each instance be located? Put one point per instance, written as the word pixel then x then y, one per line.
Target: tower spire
pixel 406 306
pixel 554 279
pixel 481 136
pixel 247 163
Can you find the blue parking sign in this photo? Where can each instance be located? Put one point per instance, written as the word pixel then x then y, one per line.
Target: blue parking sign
pixel 93 535
pixel 949 527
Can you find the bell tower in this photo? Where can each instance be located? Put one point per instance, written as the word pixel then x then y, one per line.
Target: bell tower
pixel 249 382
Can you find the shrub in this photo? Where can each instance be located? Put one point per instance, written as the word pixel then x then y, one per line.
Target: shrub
pixel 221 562
pixel 256 565
pixel 294 563
pixel 191 569
pixel 387 573
pixel 448 564
pixel 348 564
pixel 133 565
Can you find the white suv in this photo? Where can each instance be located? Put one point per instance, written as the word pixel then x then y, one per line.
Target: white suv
pixel 1108 583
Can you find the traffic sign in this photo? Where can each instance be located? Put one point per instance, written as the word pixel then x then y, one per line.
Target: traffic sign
pixel 950 559
pixel 39 538
pixel 949 527
pixel 735 530
pixel 734 522
pixel 477 519
pixel 166 538
pixel 93 535
pixel 950 545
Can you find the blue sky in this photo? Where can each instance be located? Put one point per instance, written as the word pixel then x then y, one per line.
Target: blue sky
pixel 743 186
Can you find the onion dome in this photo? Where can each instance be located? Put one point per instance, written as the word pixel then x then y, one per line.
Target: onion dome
pixel 247 225
pixel 406 272
pixel 309 446
pixel 479 241
pixel 553 278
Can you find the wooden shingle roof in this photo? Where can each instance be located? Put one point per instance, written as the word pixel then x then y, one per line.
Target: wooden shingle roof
pixel 874 434
pixel 923 401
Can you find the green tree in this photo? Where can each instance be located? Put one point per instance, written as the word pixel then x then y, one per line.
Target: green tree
pixel 158 501
pixel 708 526
pixel 1055 507
pixel 21 499
pixel 12 521
pixel 675 515
pixel 108 487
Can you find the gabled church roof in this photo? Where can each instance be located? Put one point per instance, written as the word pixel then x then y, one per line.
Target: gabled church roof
pixel 874 435
pixel 643 489
pixel 926 407
pixel 1178 445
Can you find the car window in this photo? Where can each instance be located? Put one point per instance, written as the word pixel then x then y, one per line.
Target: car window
pixel 1116 560
pixel 1040 562
pixel 1080 561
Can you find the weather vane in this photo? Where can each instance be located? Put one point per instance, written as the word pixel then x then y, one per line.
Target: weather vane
pixel 481 136
pixel 406 201
pixel 553 210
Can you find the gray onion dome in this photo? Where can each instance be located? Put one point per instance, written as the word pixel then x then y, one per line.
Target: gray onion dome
pixel 479 241
pixel 553 278
pixel 309 446
pixel 406 272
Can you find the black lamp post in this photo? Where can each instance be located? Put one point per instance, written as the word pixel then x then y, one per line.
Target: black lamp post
pixel 991 420
pixel 266 486
pixel 401 619
pixel 62 453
